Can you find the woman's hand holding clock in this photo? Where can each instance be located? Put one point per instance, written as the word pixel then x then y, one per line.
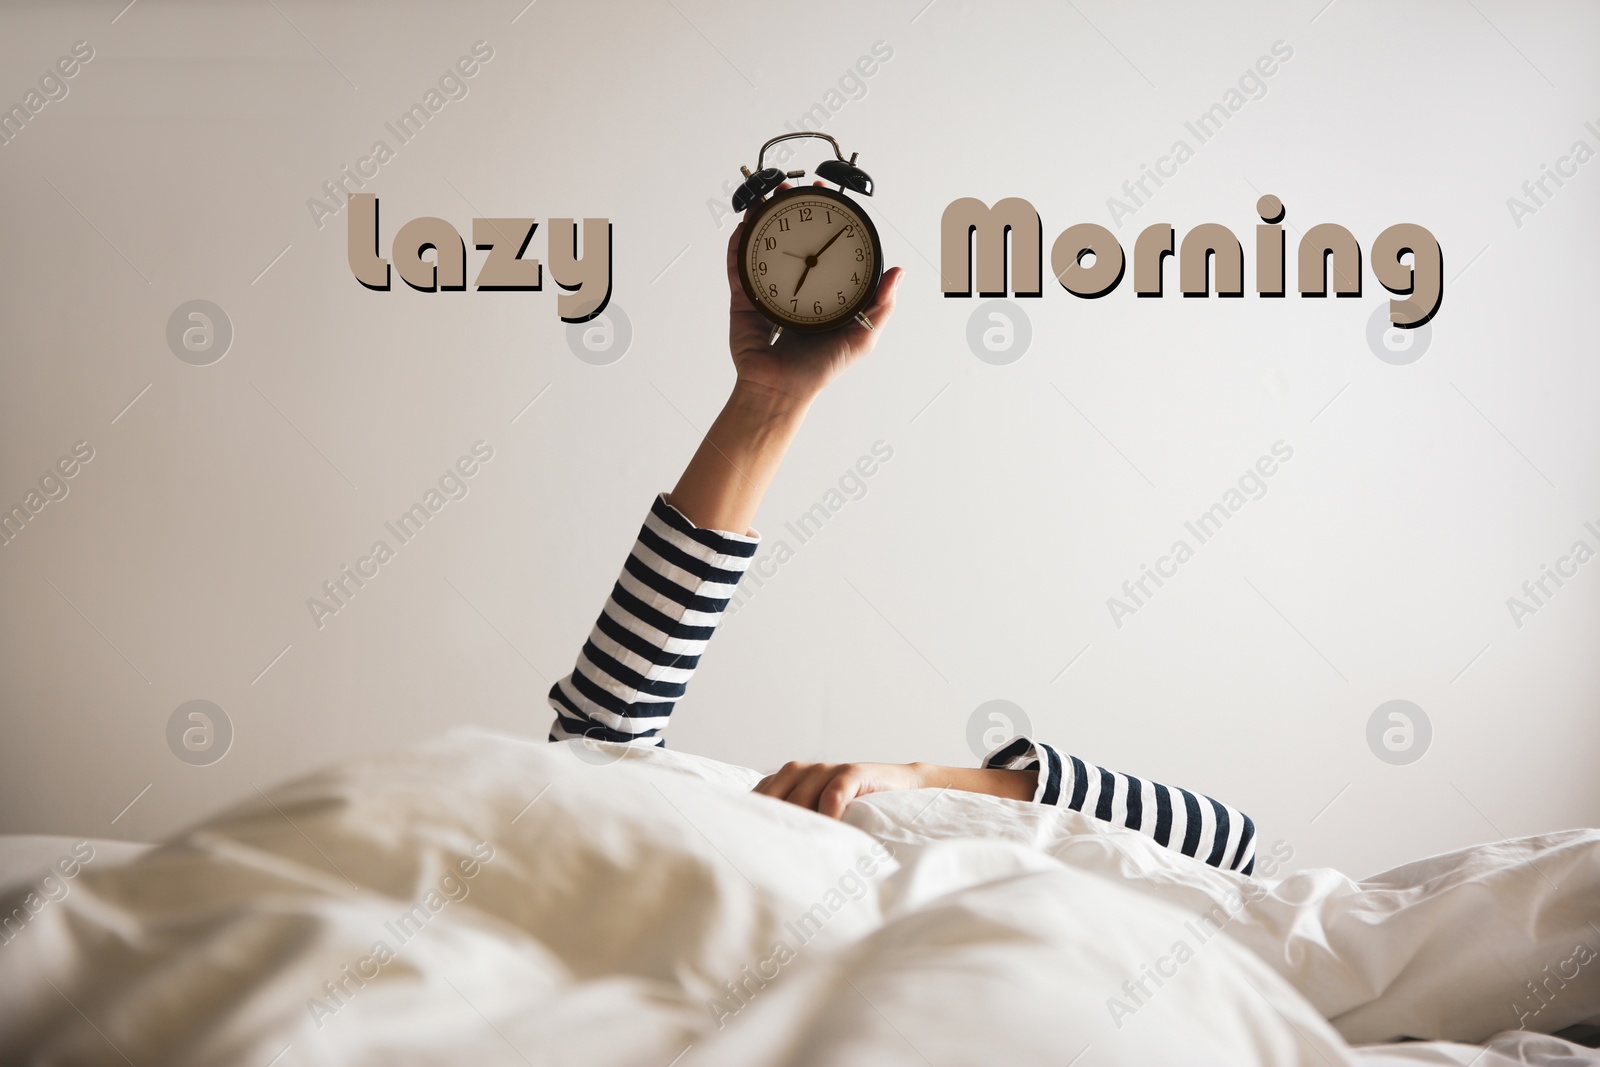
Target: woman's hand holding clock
pixel 729 474
pixel 801 364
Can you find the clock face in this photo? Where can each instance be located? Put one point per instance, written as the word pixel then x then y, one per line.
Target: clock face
pixel 810 259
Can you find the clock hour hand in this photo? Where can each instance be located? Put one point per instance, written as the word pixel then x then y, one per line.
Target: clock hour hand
pixel 810 261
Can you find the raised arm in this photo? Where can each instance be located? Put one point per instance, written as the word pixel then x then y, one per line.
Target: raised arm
pixel 697 541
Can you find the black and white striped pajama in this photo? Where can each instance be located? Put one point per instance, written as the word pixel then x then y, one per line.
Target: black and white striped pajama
pixel 665 606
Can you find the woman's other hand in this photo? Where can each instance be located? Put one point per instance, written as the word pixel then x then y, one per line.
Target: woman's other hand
pixel 829 787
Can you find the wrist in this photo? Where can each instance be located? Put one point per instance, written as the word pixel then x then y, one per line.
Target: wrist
pixel 723 485
pixel 993 781
pixel 763 403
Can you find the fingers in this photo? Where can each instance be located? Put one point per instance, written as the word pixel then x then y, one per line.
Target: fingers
pixel 808 790
pixel 778 785
pixel 839 792
pixel 735 289
pixel 826 788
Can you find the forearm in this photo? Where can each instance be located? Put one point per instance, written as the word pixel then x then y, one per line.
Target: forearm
pixel 993 781
pixel 645 647
pixel 722 486
pixel 677 580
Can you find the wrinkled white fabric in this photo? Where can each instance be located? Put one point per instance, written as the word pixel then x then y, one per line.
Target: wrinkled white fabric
pixel 1514 1048
pixel 632 907
pixel 1441 948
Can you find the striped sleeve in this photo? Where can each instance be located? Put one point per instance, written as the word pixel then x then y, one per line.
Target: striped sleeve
pixel 1190 823
pixel 647 642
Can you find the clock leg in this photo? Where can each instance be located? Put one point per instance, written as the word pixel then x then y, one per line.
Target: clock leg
pixel 777 331
pixel 863 320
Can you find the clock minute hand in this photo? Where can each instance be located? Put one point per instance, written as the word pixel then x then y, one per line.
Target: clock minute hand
pixel 836 235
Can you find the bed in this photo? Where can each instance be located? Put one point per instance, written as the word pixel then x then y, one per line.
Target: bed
pixel 489 899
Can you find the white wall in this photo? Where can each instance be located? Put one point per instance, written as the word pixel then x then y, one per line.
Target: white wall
pixel 1377 566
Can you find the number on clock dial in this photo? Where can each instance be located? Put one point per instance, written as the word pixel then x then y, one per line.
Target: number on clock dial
pixel 811 260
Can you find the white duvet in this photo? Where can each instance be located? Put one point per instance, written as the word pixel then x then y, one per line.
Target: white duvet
pixel 493 900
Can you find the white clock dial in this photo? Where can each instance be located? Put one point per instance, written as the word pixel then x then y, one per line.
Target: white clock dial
pixel 810 261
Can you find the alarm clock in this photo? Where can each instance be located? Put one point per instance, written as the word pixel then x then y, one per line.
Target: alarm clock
pixel 810 259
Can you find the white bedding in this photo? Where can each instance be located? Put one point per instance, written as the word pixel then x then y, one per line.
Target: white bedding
pixel 486 899
pixel 26 859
